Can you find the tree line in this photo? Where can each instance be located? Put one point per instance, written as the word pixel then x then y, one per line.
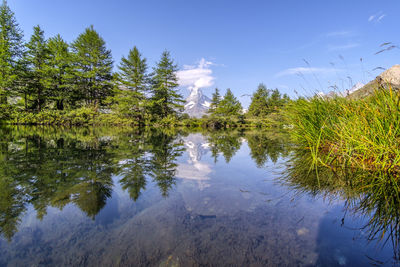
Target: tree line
pixel 264 101
pixel 54 75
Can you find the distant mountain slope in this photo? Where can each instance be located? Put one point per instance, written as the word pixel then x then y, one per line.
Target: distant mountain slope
pixel 345 93
pixel 197 104
pixel 388 78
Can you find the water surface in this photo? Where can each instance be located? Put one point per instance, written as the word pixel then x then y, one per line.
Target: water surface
pixel 123 197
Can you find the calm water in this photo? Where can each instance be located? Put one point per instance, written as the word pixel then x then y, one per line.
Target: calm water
pixel 119 197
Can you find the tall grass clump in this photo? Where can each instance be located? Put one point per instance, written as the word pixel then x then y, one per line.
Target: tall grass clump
pixel 362 133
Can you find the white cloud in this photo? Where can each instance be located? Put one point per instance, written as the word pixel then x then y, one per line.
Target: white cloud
pixel 342 47
pixel 339 34
pixel 381 17
pixel 199 76
pixel 371 18
pixel 376 17
pixel 306 70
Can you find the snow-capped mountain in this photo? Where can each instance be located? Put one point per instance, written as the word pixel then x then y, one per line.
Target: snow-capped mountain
pixel 197 104
pixel 356 87
pixel 345 93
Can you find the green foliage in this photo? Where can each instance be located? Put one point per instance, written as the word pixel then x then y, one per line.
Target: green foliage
pixel 37 55
pixel 11 50
pixel 129 99
pixel 166 99
pixel 266 101
pixel 92 65
pixel 215 100
pixel 229 105
pixel 361 133
pixel 58 80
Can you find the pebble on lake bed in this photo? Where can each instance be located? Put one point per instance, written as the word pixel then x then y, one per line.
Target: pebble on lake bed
pixel 302 231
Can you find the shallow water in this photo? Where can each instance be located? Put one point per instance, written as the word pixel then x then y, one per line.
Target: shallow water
pixel 119 197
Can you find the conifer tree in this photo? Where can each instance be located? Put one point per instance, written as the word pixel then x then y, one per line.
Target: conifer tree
pixel 215 100
pixel 130 98
pixel 92 63
pixel 37 55
pixel 11 50
pixel 229 105
pixel 259 106
pixel 165 100
pixel 58 71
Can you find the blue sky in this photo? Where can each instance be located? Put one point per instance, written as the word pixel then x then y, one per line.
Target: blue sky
pixel 295 46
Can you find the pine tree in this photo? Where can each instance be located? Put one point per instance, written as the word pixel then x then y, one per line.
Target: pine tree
pixel 259 106
pixel 165 100
pixel 37 56
pixel 276 100
pixel 229 105
pixel 216 99
pixel 58 71
pixel 92 64
pixel 11 49
pixel 133 83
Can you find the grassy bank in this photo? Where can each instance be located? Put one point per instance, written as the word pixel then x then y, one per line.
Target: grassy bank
pixel 362 133
pixel 86 116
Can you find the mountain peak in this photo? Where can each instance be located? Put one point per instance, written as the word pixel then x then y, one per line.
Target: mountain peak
pixel 197 104
pixel 390 78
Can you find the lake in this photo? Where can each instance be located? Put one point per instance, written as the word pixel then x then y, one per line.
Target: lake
pixel 165 197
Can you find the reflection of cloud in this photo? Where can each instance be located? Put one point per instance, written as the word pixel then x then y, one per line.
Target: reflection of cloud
pixel 196 147
pixel 198 171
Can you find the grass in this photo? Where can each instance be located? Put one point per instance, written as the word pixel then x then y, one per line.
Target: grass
pixel 362 133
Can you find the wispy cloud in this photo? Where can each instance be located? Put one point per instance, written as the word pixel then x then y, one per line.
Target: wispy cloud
pixel 376 17
pixel 343 47
pixel 381 17
pixel 306 70
pixel 340 34
pixel 196 76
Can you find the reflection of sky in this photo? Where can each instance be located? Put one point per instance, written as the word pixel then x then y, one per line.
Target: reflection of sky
pixel 240 206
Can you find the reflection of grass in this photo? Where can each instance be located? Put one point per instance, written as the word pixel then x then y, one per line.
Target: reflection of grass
pixel 363 133
pixel 373 196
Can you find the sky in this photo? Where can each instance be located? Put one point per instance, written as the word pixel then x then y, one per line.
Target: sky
pixel 300 47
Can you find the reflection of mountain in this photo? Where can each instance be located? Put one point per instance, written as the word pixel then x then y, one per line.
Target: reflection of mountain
pixel 194 169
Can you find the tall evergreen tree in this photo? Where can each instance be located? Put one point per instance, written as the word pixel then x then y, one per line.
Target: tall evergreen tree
pixel 259 106
pixel 11 49
pixel 92 63
pixel 166 99
pixel 58 71
pixel 133 84
pixel 37 56
pixel 277 100
pixel 215 100
pixel 132 71
pixel 229 105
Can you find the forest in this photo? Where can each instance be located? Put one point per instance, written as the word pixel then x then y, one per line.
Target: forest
pixel 51 81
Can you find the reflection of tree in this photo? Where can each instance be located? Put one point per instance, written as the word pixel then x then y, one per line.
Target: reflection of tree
pixel 12 205
pixel 266 145
pixel 225 142
pixel 371 195
pixel 135 168
pixel 43 166
pixel 46 171
pixel 165 151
